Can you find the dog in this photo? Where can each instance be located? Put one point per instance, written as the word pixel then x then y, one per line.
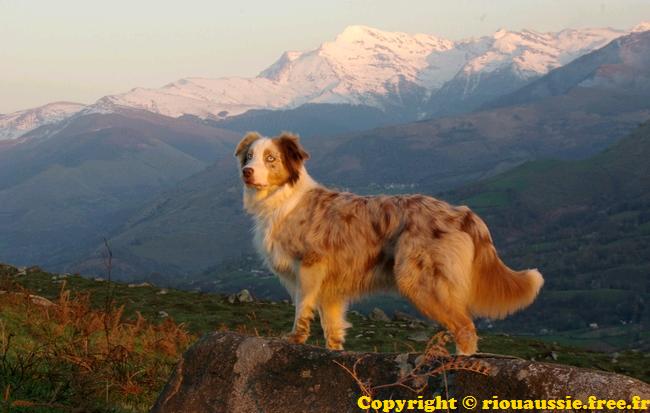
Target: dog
pixel 329 248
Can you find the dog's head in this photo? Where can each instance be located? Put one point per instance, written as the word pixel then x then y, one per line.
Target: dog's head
pixel 267 163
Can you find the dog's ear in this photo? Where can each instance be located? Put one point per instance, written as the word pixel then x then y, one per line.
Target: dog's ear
pixel 246 142
pixel 293 154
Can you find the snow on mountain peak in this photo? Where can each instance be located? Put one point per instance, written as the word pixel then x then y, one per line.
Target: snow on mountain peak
pixel 356 32
pixel 276 70
pixel 501 32
pixel 642 27
pixel 367 60
pixel 531 53
pixel 365 65
pixel 16 124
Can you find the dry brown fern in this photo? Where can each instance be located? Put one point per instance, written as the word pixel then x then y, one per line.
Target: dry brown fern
pixel 435 361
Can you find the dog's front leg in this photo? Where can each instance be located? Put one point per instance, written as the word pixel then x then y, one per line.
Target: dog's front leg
pixel 332 319
pixel 307 290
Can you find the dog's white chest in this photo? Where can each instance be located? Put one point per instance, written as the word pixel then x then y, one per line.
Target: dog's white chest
pixel 267 246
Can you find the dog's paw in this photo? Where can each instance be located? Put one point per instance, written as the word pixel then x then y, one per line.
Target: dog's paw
pixel 337 346
pixel 334 344
pixel 295 338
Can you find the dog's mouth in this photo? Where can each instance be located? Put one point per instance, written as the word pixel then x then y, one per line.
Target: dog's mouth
pixel 251 184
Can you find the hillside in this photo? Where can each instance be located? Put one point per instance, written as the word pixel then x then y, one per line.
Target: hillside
pixel 311 120
pixel 586 225
pixel 439 154
pixel 152 315
pixel 62 190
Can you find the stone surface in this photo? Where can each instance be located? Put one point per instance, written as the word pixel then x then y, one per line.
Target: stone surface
pixel 228 372
pixel 401 316
pixel 377 314
pixel 244 296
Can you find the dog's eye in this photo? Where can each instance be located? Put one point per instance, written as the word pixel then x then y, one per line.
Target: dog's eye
pixel 270 158
pixel 249 155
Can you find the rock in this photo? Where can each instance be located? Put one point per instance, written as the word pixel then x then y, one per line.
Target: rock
pixel 244 296
pixel 377 314
pixel 355 313
pixel 406 317
pixel 163 314
pixel 99 279
pixel 229 372
pixel 35 299
pixel 420 336
pixel 144 284
pixel 162 292
pixel 42 301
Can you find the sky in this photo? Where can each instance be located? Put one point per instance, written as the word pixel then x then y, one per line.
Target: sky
pixel 81 50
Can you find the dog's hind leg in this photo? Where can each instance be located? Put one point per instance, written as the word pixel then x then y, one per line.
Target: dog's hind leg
pixel 307 290
pixel 425 283
pixel 332 319
pixel 452 317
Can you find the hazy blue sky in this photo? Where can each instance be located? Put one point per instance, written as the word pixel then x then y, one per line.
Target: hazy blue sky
pixel 80 50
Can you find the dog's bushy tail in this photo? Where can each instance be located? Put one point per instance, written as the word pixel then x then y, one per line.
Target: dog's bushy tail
pixel 496 289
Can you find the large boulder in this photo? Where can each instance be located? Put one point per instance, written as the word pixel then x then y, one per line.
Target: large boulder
pixel 228 372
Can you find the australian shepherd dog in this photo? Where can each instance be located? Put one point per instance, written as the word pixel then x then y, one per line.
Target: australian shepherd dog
pixel 329 248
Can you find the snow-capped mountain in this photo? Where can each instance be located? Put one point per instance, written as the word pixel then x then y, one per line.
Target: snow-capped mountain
pixel 358 67
pixel 416 75
pixel 621 67
pixel 372 67
pixel 13 125
pixel 504 62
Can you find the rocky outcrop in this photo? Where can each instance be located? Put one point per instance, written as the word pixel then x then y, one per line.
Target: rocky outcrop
pixel 228 372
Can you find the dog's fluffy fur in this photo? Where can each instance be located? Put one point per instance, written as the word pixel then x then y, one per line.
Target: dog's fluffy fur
pixel 330 247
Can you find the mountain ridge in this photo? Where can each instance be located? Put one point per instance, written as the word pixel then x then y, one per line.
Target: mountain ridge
pixel 13 125
pixel 368 66
pixel 420 75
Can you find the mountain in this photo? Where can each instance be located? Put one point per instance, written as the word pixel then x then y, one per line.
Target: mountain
pixel 392 71
pixel 181 232
pixel 585 224
pixel 360 67
pixel 621 66
pixel 407 76
pixel 13 125
pixel 509 60
pixel 439 154
pixel 61 193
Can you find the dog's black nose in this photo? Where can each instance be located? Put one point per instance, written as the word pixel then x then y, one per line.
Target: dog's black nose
pixel 248 172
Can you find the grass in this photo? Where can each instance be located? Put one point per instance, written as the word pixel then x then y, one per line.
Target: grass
pixel 67 354
pixel 84 352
